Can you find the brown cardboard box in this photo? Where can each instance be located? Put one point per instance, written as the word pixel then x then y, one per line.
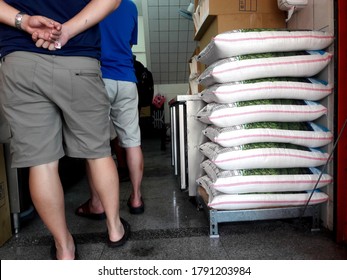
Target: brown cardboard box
pixel 219 7
pixel 223 23
pixel 5 218
pixel 237 14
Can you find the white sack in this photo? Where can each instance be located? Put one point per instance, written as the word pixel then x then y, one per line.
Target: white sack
pixel 268 88
pixel 225 115
pixel 221 201
pixel 250 41
pixel 265 65
pixel 263 155
pixel 306 134
pixel 262 180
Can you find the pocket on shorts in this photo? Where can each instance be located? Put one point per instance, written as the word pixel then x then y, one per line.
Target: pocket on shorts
pixel 16 73
pixel 89 92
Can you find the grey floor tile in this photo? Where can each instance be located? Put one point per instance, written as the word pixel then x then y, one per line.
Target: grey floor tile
pixel 279 240
pixel 193 248
pixel 25 252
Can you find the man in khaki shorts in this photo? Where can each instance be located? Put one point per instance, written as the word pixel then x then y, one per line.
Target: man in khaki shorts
pixel 51 91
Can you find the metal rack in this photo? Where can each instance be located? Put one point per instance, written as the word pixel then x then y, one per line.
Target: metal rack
pixel 220 216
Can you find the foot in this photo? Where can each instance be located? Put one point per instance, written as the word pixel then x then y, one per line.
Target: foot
pixel 85 210
pixel 124 238
pixel 136 209
pixel 68 253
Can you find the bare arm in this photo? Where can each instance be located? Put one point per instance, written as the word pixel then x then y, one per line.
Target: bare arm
pixel 93 13
pixel 7 13
pixel 43 27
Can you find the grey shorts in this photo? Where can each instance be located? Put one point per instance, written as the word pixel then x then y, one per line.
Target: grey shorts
pixel 49 100
pixel 124 112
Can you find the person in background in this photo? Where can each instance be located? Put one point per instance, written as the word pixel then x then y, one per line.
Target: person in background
pixel 118 33
pixel 122 166
pixel 51 89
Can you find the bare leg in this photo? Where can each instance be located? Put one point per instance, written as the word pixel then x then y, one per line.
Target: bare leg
pixel 120 154
pixel 48 197
pixel 104 178
pixel 95 205
pixel 135 164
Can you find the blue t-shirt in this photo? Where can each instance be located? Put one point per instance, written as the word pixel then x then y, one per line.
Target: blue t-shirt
pixel 86 43
pixel 118 33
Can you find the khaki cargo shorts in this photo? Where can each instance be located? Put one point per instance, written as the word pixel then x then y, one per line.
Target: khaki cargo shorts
pixel 54 105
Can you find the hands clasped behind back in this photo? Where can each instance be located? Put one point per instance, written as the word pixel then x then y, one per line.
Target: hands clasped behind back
pixel 45 32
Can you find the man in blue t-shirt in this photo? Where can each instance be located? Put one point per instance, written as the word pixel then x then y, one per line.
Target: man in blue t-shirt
pixel 118 33
pixel 50 90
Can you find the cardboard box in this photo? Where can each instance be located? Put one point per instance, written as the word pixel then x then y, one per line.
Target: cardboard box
pixel 219 7
pixel 5 216
pixel 224 23
pixel 238 14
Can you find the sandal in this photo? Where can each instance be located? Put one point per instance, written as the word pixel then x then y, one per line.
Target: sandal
pixel 136 210
pixel 124 238
pixel 84 211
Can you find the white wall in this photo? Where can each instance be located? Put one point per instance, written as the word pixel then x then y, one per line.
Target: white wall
pixel 140 49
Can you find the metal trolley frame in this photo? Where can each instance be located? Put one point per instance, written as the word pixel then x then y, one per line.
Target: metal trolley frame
pixel 221 216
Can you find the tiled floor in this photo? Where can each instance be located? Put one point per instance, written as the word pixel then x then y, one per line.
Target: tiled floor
pixel 173 228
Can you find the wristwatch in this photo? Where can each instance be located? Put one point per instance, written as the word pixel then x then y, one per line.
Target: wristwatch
pixel 18 20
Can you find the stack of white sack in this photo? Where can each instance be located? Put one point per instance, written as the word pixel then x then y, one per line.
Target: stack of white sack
pixel 263 100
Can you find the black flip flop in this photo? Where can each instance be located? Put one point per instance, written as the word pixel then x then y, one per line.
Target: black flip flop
pixel 123 240
pixel 136 210
pixel 85 213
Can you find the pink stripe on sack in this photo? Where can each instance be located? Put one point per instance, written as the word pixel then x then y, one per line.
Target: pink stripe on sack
pixel 275 63
pixel 270 182
pixel 269 155
pixel 272 88
pixel 275 37
pixel 270 111
pixel 273 135
pixel 269 202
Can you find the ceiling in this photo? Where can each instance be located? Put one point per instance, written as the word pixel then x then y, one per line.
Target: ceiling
pixel 169 39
